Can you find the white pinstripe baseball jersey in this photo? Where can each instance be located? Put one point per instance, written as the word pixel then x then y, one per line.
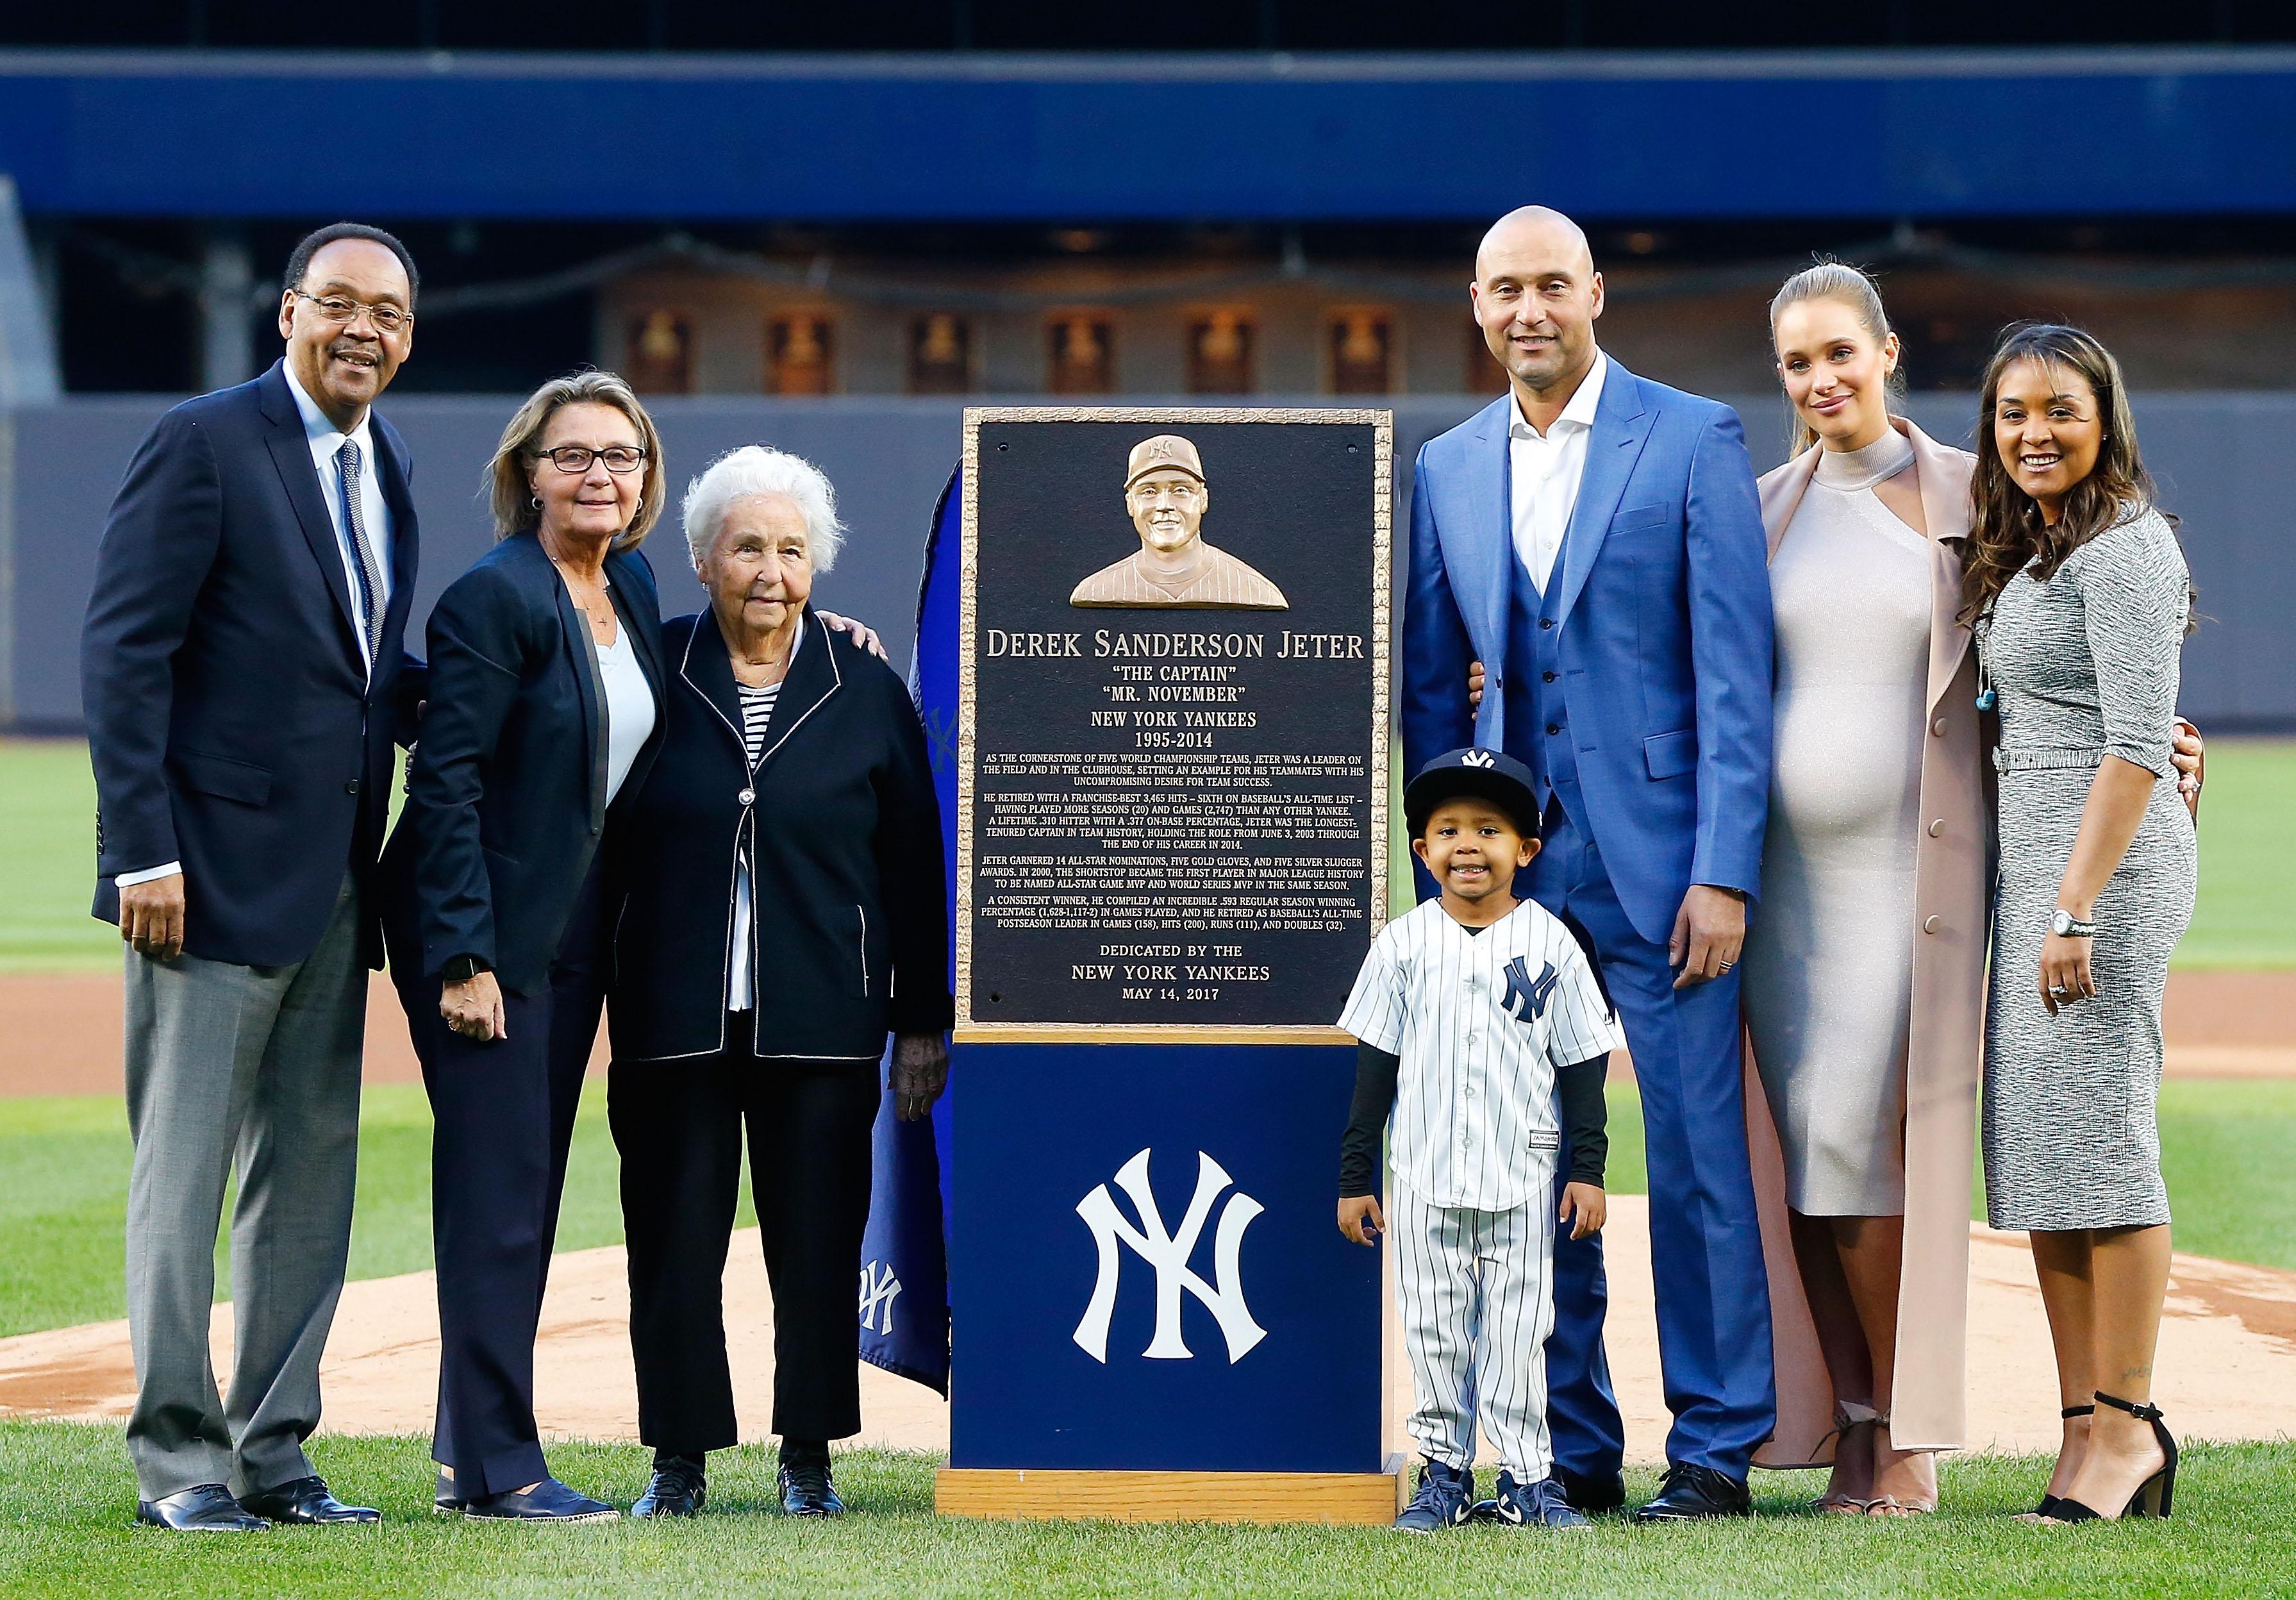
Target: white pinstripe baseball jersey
pixel 1481 1022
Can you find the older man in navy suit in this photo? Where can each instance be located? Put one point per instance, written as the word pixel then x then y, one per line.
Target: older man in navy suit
pixel 1595 541
pixel 243 678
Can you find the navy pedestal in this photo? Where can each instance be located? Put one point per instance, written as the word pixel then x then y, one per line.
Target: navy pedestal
pixel 1259 1352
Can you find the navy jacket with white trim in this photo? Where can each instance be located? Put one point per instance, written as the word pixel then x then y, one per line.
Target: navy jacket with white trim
pixel 850 924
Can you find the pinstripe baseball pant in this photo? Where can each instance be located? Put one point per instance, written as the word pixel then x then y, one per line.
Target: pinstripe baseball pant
pixel 1477 1301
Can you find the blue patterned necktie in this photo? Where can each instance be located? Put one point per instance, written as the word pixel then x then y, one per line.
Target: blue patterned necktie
pixel 370 565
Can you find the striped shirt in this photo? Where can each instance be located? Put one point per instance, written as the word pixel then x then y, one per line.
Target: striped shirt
pixel 757 710
pixel 757 714
pixel 1482 1024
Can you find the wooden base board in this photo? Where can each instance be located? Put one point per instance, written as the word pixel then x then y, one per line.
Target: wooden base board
pixel 1032 1493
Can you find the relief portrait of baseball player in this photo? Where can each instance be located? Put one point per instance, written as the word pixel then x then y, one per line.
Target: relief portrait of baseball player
pixel 1166 496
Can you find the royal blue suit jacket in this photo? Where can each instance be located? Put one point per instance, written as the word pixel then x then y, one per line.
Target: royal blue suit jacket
pixel 1665 633
pixel 231 719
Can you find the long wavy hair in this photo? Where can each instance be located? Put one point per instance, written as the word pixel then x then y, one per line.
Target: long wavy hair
pixel 2009 531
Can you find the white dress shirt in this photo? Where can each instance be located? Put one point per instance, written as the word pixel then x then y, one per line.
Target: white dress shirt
pixel 326 445
pixel 1543 470
pixel 630 710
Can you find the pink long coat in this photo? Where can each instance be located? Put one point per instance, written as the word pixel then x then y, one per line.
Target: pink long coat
pixel 1952 876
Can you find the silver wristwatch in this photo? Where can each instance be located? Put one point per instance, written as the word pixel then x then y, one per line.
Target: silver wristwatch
pixel 2066 925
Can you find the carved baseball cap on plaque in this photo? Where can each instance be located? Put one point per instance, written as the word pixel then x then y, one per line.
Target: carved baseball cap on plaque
pixel 1164 450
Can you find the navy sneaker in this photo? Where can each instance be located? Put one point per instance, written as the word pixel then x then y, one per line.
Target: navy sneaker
pixel 1446 1498
pixel 548 1501
pixel 1541 1505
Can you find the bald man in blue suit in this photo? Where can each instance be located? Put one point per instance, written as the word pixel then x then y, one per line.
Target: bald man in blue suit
pixel 1593 540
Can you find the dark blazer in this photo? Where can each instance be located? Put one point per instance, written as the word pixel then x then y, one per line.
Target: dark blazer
pixel 231 719
pixel 1666 638
pixel 506 792
pixel 848 909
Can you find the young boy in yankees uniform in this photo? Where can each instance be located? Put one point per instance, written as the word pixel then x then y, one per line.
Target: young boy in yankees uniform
pixel 1476 1013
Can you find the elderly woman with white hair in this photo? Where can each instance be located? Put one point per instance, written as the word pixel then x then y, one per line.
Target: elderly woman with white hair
pixel 783 910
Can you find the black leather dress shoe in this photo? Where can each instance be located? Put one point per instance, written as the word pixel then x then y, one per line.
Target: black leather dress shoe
pixel 443 1501
pixel 202 1508
pixel 1688 1493
pixel 807 1490
pixel 678 1489
pixel 307 1502
pixel 1592 1493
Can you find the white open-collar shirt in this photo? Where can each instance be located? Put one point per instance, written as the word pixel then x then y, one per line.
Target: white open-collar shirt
pixel 1543 470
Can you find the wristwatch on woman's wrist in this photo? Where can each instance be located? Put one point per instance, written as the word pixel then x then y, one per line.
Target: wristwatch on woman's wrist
pixel 2066 925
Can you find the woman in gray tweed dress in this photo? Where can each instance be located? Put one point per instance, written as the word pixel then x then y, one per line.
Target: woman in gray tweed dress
pixel 2080 600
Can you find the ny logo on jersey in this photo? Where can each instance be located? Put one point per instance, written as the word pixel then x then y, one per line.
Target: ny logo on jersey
pixel 878 1288
pixel 1526 998
pixel 1169 1253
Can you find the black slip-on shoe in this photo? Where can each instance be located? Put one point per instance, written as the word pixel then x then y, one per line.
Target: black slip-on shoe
pixel 202 1508
pixel 548 1501
pixel 678 1489
pixel 1689 1493
pixel 443 1501
pixel 306 1502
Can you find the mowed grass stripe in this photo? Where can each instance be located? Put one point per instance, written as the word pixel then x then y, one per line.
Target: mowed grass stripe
pixel 2229 1151
pixel 2246 916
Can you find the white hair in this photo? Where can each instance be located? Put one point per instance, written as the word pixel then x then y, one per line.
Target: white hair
pixel 762 470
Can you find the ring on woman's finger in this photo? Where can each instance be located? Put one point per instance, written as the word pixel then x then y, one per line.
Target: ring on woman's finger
pixel 2057 991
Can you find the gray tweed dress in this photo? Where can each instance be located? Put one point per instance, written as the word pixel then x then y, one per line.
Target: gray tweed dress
pixel 2084 666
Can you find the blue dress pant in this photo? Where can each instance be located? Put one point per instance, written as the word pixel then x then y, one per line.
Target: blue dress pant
pixel 1706 1246
pixel 503 1114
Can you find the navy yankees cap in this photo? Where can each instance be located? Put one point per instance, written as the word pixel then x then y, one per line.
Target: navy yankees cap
pixel 1487 773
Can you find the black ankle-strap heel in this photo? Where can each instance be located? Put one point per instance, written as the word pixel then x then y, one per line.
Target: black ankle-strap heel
pixel 2050 1505
pixel 2156 1494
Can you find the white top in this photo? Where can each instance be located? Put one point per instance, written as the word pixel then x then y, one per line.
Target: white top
pixel 1480 1021
pixel 326 450
pixel 757 712
pixel 629 707
pixel 1543 470
pixel 326 445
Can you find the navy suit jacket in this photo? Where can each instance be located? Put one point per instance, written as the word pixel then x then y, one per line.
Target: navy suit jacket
pixel 506 792
pixel 231 719
pixel 1665 634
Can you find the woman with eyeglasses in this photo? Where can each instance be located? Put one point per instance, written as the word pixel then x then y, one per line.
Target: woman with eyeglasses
pixel 545 705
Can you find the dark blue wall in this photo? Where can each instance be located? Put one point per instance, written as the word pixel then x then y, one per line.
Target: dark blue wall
pixel 2224 462
pixel 1935 133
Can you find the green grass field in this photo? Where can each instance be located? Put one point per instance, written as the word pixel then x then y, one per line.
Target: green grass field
pixel 2226 1150
pixel 2246 918
pixel 65 1502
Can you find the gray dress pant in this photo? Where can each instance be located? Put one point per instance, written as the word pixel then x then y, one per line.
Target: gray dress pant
pixel 257 1068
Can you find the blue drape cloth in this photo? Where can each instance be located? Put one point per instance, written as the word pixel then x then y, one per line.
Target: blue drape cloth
pixel 904 1289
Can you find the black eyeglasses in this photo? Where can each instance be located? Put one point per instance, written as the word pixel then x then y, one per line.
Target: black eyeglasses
pixel 342 312
pixel 577 458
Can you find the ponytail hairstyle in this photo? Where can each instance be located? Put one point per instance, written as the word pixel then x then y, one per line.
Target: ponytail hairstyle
pixel 1830 280
pixel 2008 530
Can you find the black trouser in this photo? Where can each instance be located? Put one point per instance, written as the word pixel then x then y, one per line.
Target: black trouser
pixel 504 1115
pixel 678 1127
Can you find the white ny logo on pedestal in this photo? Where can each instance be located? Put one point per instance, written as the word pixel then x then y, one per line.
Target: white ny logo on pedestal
pixel 1168 1254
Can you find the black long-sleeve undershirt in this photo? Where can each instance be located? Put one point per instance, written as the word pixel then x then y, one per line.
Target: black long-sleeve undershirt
pixel 1579 1087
